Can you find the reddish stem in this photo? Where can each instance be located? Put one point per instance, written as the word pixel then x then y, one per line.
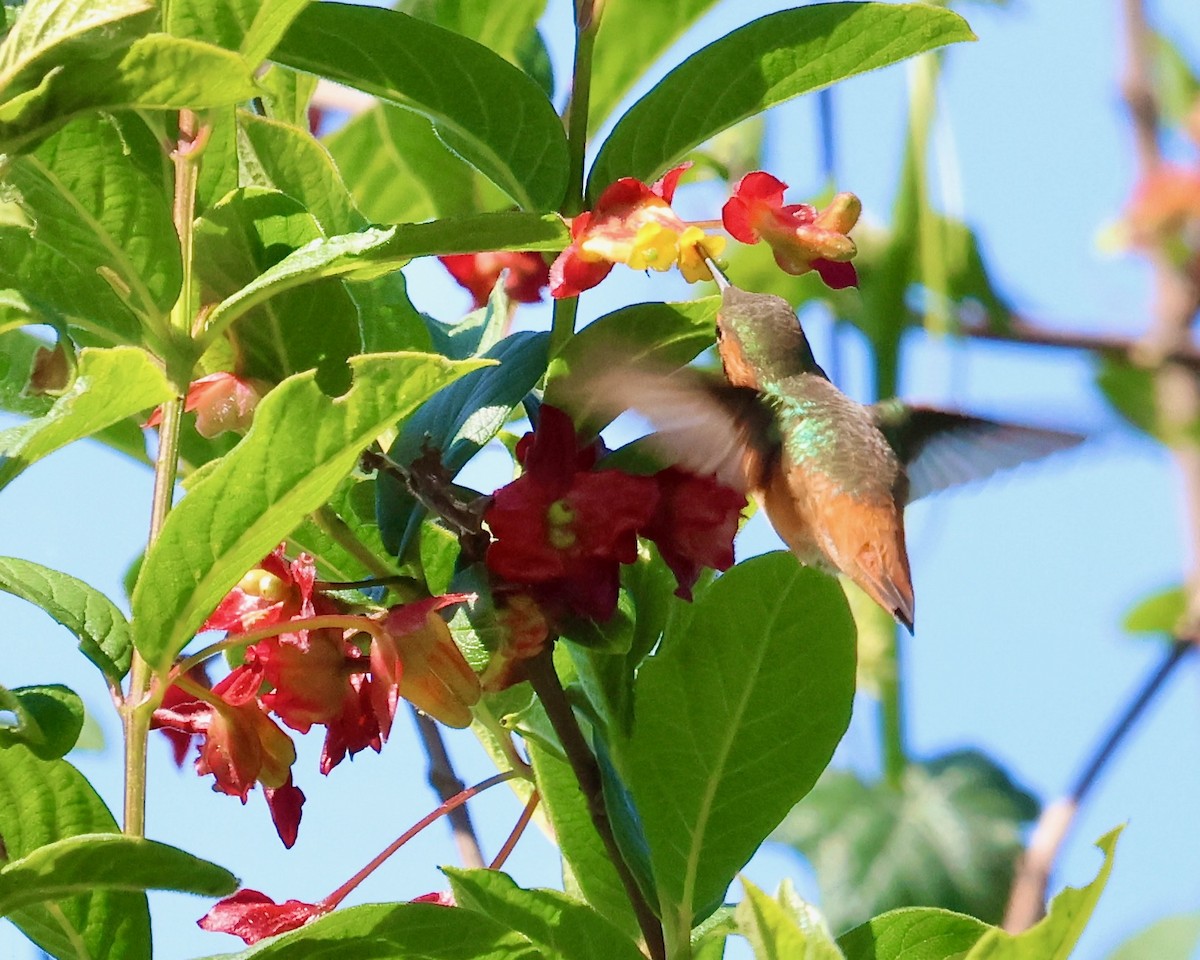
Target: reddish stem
pixel 522 823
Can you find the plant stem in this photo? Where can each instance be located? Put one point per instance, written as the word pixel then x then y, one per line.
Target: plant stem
pixel 547 686
pixel 517 830
pixel 891 715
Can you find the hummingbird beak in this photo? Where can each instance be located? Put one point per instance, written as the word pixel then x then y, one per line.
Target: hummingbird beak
pixel 719 277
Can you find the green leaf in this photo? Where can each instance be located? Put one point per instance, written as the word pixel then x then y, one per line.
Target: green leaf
pixel 1171 938
pixel 562 926
pixel 764 63
pixel 1176 84
pixel 953 830
pixel 665 334
pixel 501 27
pixel 284 157
pixel 388 319
pixel 300 447
pixel 1130 391
pixel 632 37
pixel 97 861
pixel 500 121
pixel 457 423
pixel 376 250
pixel 1161 612
pixel 251 27
pixel 101 628
pixel 156 72
pixel 111 385
pixel 474 334
pixel 747 697
pixel 45 801
pixel 397 930
pixel 1055 935
pixel 399 171
pixel 915 933
pixel 49 719
pixel 102 213
pixel 287 95
pixel 783 928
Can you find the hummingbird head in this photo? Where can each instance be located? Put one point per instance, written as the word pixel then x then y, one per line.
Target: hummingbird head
pixel 765 331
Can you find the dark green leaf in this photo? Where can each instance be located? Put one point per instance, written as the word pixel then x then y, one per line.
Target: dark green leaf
pixel 953 831
pixel 632 36
pixel 251 27
pixel 101 628
pixel 1130 391
pixel 476 333
pixel 96 861
pixel 457 423
pixel 747 697
pixel 300 447
pixel 916 933
pixel 1161 612
pixel 397 930
pixel 388 320
pixel 111 385
pixel 783 928
pixel 1172 938
pixel 49 719
pixel 45 801
pixel 562 926
pixel 500 121
pixel 764 63
pixel 1053 937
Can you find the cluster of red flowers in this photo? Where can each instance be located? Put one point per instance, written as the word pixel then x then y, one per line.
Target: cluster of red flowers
pixel 633 223
pixel 322 671
pixel 563 528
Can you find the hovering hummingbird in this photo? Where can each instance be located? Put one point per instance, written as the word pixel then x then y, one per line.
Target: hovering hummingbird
pixel 833 475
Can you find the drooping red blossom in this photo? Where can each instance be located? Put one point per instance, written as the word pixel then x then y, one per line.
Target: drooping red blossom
pixel 254 916
pixel 694 525
pixel 632 223
pixel 222 402
pixel 309 674
pixel 285 803
pixel 275 591
pixel 528 274
pixel 801 237
pixel 354 729
pixel 175 697
pixel 563 527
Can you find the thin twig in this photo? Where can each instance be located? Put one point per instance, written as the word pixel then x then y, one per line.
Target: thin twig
pixel 517 830
pixel 587 772
pixel 447 784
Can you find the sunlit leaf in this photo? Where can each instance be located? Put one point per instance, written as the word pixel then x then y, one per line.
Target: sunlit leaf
pixel 251 27
pixel 1172 938
pixel 783 927
pixel 49 719
pixel 1160 612
pixel 915 933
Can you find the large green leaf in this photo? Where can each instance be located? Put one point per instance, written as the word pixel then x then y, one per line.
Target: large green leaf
pixel 101 628
pixel 501 27
pixel 764 63
pixel 915 933
pixel 632 36
pixel 559 924
pixel 1172 938
pixel 111 385
pixel 157 72
pixel 746 698
pixel 45 801
pixel 101 227
pixel 1055 935
pixel 95 861
pixel 783 927
pixel 952 832
pixel 300 447
pixel 377 931
pixel 486 110
pixel 377 250
pixel 1176 82
pixel 49 719
pixel 251 27
pixel 1161 612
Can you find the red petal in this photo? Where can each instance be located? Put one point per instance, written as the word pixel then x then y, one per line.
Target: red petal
pixel 694 525
pixel 254 916
pixel 837 276
pixel 760 187
pixel 285 805
pixel 665 185
pixel 570 274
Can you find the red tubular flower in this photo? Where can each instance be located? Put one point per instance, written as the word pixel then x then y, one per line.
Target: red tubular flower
pixel 272 592
pixel 222 401
pixel 528 274
pixel 354 729
pixel 633 224
pixel 254 916
pixel 801 238
pixel 563 528
pixel 694 525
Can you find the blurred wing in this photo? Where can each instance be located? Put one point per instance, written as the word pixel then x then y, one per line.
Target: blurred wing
pixel 700 422
pixel 941 449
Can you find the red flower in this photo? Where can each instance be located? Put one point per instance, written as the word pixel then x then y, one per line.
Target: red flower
pixel 285 803
pixel 564 528
pixel 222 401
pixel 632 224
pixel 528 274
pixel 694 525
pixel 1163 202
pixel 802 238
pixel 254 916
pixel 175 697
pixel 271 593
pixel 354 729
pixel 523 631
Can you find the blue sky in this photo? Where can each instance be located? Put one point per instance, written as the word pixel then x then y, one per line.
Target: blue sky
pixel 1021 582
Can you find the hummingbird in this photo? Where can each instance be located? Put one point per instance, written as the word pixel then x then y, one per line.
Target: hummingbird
pixel 832 474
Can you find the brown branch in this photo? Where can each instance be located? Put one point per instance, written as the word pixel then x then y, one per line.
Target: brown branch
pixel 447 784
pixel 587 772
